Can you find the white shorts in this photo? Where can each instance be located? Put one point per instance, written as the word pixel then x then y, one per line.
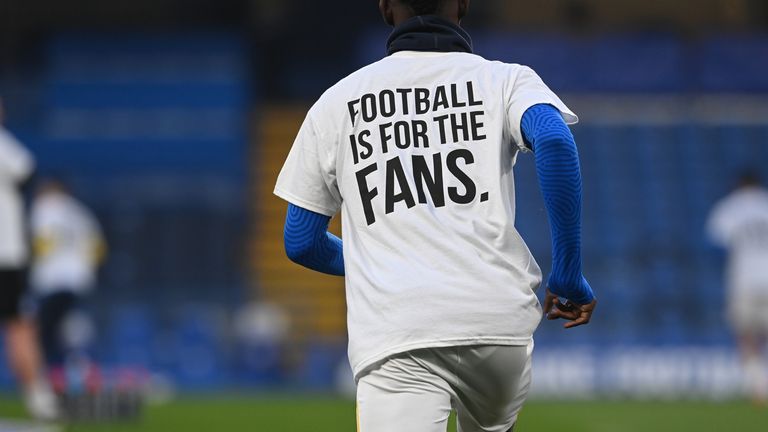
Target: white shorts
pixel 417 390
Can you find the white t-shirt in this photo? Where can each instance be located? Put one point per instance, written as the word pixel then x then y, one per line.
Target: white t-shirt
pixel 69 236
pixel 417 151
pixel 16 164
pixel 739 222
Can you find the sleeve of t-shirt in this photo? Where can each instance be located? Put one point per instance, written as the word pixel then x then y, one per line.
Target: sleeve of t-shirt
pixel 528 90
pixel 308 177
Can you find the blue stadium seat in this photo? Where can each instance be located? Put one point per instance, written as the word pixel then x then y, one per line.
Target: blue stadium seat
pixel 132 336
pixel 198 342
pixel 733 63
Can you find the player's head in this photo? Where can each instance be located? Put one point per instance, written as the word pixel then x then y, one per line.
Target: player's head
pixel 397 11
pixel 749 178
pixel 51 185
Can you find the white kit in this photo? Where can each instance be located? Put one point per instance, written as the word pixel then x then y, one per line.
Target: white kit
pixel 417 152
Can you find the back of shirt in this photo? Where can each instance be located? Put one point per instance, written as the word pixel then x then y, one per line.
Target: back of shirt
pixel 67 238
pixel 16 165
pixel 740 223
pixel 417 152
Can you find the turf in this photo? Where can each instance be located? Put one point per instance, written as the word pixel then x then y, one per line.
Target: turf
pixel 320 414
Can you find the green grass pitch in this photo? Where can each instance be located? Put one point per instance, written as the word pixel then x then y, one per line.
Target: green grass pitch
pixel 321 414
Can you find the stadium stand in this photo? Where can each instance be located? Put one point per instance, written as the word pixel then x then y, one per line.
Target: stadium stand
pixel 134 109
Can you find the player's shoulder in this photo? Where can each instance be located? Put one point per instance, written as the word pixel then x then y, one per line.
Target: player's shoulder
pixel 510 67
pixel 483 64
pixel 514 67
pixel 510 75
pixel 735 202
pixel 350 85
pixel 521 73
pixel 326 110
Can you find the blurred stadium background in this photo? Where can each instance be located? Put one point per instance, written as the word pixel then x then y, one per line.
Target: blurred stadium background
pixel 172 118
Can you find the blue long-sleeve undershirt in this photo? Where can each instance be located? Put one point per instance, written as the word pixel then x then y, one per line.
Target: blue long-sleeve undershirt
pixel 308 242
pixel 557 166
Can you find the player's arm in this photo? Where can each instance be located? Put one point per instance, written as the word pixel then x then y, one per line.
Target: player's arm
pixel 557 166
pixel 308 242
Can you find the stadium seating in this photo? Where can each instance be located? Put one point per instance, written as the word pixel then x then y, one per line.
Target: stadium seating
pixel 648 191
pixel 155 130
pixel 620 63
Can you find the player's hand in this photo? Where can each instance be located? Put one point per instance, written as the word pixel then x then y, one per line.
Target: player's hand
pixel 576 314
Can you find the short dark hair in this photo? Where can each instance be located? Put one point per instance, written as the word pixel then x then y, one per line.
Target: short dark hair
pixel 749 177
pixel 424 7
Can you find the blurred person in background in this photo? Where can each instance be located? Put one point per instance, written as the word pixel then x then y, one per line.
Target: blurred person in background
pixel 68 248
pixel 739 223
pixel 16 166
pixel 440 285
